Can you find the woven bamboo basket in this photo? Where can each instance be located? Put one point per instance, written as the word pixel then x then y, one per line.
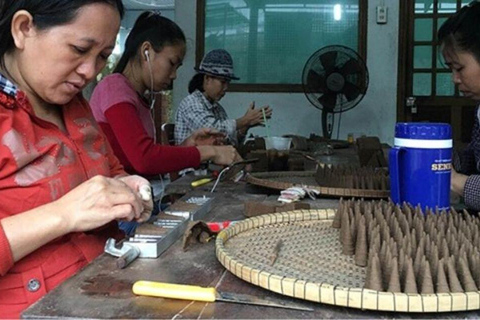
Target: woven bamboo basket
pixel 288 179
pixel 298 254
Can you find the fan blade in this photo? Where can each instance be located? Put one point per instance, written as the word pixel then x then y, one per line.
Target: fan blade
pixel 315 82
pixel 328 101
pixel 350 67
pixel 328 60
pixel 351 91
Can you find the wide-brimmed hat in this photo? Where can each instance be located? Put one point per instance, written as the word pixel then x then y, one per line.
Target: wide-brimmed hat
pixel 218 63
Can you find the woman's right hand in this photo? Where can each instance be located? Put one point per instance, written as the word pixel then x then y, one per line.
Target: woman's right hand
pixel 222 155
pixel 204 136
pixel 98 201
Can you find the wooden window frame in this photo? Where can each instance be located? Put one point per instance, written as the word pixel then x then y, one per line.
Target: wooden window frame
pixel 265 87
pixel 406 57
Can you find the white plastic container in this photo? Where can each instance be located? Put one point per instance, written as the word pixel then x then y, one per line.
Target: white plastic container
pixel 278 143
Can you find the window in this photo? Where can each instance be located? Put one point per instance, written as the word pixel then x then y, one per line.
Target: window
pixel 430 75
pixel 271 40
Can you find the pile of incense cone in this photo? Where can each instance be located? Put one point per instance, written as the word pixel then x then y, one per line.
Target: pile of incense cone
pixel 408 250
pixel 351 177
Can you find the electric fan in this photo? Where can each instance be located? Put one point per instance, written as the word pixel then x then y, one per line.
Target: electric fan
pixel 334 80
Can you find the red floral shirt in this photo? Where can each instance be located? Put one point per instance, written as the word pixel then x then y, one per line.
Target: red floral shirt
pixel 38 164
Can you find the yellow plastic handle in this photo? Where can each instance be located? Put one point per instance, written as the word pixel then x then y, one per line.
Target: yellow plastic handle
pixel 174 291
pixel 201 182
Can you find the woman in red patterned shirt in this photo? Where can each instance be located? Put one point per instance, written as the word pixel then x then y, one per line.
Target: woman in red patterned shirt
pixel 58 175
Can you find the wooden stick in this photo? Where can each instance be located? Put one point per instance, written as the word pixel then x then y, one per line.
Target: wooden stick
pixel 275 252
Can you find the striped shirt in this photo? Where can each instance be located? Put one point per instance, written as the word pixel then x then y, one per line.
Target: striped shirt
pixel 196 112
pixel 468 162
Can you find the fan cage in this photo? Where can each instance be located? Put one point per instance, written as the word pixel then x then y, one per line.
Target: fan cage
pixel 357 77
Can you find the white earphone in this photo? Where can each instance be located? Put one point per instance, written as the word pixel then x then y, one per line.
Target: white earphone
pixel 152 93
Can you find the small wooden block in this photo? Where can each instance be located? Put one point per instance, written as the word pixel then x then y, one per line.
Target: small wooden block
pixel 341 296
pixel 459 301
pixel 386 301
pixel 444 302
pixel 312 292
pixel 327 293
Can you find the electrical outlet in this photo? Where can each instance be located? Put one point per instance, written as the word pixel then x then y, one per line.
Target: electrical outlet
pixel 381 14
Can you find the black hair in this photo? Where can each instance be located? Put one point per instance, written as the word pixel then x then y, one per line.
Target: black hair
pixel 45 13
pixel 462 31
pixel 196 83
pixel 151 27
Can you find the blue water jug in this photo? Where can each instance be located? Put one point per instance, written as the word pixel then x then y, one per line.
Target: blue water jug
pixel 420 164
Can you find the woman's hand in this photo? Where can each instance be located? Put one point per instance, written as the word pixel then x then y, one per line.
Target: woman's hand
pixel 458 181
pixel 142 187
pixel 222 155
pixel 100 200
pixel 254 117
pixel 204 136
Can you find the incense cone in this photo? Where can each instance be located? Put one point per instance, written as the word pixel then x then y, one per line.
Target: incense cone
pixel 453 281
pixel 445 253
pixel 433 260
pixel 401 263
pixel 476 270
pixel 374 274
pixel 466 277
pixel 387 268
pixel 337 221
pixel 417 263
pixel 353 230
pixel 409 285
pixel 394 281
pixel 427 281
pixel 383 251
pixel 361 252
pixel 347 241
pixel 343 225
pixel 441 284
pixel 413 242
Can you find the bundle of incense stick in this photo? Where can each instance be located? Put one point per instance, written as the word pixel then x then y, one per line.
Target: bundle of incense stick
pixel 411 251
pixel 351 177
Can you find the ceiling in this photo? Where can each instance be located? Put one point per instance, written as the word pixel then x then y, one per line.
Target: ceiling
pixel 148 4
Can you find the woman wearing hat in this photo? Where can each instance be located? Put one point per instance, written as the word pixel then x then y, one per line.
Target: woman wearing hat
pixel 201 109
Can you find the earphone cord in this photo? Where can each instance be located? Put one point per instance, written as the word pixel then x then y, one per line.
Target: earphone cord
pixel 152 97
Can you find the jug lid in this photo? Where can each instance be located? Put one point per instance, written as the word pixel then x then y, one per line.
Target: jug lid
pixel 423 130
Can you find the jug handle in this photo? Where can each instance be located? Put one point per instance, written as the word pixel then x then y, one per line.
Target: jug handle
pixel 394 169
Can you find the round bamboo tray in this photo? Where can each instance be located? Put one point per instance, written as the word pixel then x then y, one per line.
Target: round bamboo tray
pixel 298 254
pixel 284 180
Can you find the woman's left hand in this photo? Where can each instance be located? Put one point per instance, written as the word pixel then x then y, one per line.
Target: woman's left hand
pixel 142 187
pixel 203 137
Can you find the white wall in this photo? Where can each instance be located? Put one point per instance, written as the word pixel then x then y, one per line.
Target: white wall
pixel 375 115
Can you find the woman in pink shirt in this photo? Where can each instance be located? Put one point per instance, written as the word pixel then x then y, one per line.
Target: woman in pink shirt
pixel 154 50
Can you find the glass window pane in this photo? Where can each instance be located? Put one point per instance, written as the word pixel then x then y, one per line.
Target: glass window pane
pixel 445 85
pixel 423 6
pixel 440 21
pixel 423 29
pixel 422 84
pixel 422 57
pixel 263 36
pixel 447 6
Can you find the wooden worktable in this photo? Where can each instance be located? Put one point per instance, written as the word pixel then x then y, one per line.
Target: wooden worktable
pixel 103 291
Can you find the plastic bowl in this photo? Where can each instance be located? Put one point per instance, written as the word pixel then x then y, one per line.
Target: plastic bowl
pixel 278 143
